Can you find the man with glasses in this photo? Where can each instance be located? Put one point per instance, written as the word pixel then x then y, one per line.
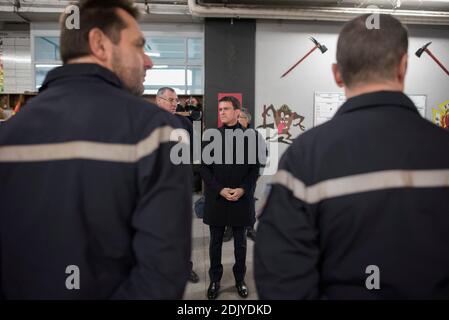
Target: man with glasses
pixel 166 98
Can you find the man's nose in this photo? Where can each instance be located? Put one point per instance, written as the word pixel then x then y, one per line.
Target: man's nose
pixel 147 62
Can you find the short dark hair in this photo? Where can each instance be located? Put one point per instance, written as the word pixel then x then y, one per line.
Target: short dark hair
pixel 101 14
pixel 366 55
pixel 235 102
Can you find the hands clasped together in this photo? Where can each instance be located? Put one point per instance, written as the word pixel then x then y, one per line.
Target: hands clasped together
pixel 232 194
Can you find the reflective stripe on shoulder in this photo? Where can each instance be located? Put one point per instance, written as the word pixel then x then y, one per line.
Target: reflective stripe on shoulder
pixel 365 182
pixel 113 152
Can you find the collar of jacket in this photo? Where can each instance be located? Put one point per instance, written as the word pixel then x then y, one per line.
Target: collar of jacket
pixel 380 98
pixel 236 126
pixel 81 69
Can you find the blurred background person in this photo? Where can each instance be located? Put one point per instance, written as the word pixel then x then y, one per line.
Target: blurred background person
pixel 167 99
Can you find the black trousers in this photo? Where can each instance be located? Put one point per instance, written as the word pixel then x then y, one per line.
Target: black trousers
pixel 215 246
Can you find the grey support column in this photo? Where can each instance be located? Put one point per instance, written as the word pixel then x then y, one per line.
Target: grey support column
pixel 230 52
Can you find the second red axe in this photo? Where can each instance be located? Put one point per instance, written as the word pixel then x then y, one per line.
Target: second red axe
pixel 425 49
pixel 318 45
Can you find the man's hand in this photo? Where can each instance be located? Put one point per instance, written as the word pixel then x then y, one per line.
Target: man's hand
pixel 236 194
pixel 232 194
pixel 225 193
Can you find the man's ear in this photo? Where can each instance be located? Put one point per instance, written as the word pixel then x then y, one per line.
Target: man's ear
pixel 402 70
pixel 99 45
pixel 337 76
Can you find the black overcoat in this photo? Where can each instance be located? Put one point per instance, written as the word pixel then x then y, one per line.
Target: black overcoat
pixel 218 211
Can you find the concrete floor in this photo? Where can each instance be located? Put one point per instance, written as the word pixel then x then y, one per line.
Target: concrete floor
pixel 200 258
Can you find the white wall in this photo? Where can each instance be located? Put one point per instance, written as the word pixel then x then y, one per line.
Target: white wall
pixel 279 45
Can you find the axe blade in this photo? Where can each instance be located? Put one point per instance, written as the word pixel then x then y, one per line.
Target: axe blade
pixel 322 48
pixel 420 51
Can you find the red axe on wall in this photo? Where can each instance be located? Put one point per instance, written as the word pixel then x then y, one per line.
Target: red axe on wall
pixel 425 49
pixel 318 45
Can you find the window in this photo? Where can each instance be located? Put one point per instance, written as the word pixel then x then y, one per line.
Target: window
pixel 178 62
pixel 46 57
pixel 46 48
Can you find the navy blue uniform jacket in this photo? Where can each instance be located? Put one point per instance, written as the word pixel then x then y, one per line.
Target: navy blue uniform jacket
pixel 359 208
pixel 86 181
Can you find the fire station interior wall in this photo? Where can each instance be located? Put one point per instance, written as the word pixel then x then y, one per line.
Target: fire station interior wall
pixel 229 63
pixel 280 44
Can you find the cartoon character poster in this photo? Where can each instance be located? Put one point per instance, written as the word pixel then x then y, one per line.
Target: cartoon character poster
pixel 441 115
pixel 283 120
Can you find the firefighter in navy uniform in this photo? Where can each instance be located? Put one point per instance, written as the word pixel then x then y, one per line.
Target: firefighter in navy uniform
pixel 356 210
pixel 86 177
pixel 167 99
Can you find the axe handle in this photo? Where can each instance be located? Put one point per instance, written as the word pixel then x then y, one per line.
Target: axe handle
pixel 302 59
pixel 437 61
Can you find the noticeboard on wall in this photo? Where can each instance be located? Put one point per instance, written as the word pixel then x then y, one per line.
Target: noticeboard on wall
pixel 326 105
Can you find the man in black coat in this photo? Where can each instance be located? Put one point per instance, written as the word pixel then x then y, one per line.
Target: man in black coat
pixel 245 121
pixel 229 181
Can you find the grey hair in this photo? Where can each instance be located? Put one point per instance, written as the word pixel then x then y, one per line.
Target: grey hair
pixel 246 112
pixel 162 90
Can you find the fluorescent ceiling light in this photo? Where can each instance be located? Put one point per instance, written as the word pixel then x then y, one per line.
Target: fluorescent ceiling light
pixel 160 67
pixel 47 65
pixel 153 54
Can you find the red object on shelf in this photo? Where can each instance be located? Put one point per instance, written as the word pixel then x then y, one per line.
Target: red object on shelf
pixel 18 106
